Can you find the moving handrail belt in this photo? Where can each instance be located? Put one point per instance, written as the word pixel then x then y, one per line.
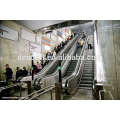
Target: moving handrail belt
pixel 38 93
pixel 66 49
pixel 51 79
pixel 71 82
pixel 60 53
pixel 69 52
pixel 53 62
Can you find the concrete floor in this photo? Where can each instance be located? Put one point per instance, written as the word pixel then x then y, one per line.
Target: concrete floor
pixel 47 96
pixel 81 94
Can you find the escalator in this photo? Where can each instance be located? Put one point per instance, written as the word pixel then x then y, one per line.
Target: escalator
pixel 52 66
pixel 71 68
pixel 73 63
pixel 50 76
pixel 55 66
pixel 87 79
pixel 80 84
pixel 71 78
pixel 88 75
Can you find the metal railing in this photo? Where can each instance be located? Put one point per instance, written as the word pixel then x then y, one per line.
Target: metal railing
pixel 51 79
pixel 48 68
pixel 11 87
pixel 94 64
pixel 72 81
pixel 107 92
pixel 38 93
pixel 67 47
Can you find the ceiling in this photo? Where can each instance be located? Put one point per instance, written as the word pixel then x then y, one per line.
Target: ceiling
pixel 37 24
pixel 82 26
pixel 87 27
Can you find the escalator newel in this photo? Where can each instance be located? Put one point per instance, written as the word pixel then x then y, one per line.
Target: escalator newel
pixel 59 69
pixel 32 69
pixel 58 85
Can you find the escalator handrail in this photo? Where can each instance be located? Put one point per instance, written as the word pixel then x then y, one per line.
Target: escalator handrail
pixel 77 69
pixel 52 78
pixel 68 53
pixel 64 50
pixel 94 65
pixel 71 52
pixel 61 52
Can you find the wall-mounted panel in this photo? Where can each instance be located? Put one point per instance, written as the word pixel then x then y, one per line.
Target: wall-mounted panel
pixel 39 39
pixel 8 33
pixel 35 50
pixel 28 36
pixel 35 47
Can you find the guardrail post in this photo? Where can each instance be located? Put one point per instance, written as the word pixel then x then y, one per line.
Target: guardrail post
pixel 57 91
pixel 20 90
pixel 98 88
pixel 32 69
pixel 29 86
pixel 58 86
pixel 51 94
pixel 59 69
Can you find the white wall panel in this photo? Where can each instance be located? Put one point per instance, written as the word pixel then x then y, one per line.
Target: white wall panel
pixel 8 33
pixel 28 36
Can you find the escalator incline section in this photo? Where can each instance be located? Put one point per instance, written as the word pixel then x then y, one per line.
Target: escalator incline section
pixel 73 64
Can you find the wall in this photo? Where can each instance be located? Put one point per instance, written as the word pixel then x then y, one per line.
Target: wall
pixel 108 34
pixel 52 39
pixel 10 49
pixel 24 46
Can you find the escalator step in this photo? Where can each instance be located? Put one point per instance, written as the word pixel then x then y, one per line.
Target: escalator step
pixel 73 64
pixel 87 72
pixel 85 85
pixel 87 88
pixel 86 69
pixel 87 75
pixel 88 65
pixel 86 82
pixel 90 70
pixel 69 72
pixel 86 79
pixel 71 68
pixel 89 62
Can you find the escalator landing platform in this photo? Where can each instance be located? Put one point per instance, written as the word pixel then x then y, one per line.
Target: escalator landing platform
pixel 81 94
